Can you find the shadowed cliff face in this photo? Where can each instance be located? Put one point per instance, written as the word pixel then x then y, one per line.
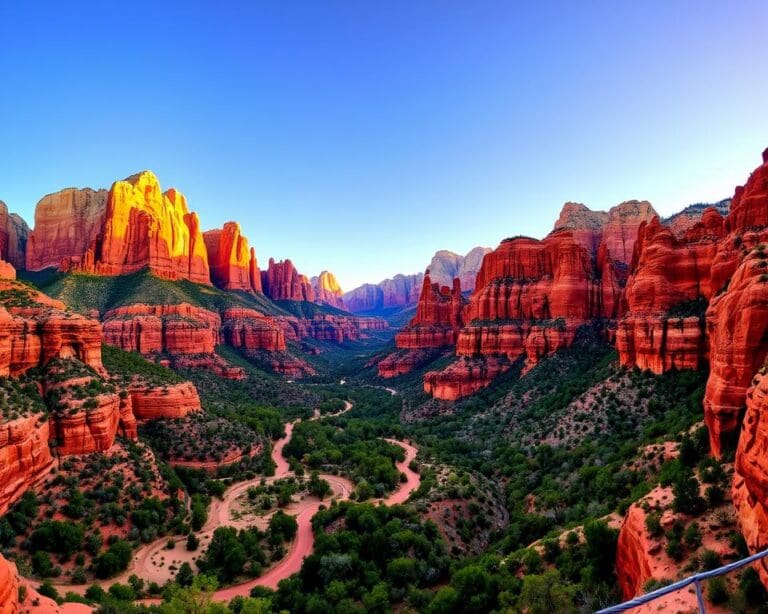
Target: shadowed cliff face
pixel 233 263
pixel 532 296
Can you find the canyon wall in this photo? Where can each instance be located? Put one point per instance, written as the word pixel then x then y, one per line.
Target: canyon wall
pixel 532 296
pixel 132 226
pixel 281 281
pixel 232 262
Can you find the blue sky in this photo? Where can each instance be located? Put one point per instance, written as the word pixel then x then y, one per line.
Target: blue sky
pixel 361 137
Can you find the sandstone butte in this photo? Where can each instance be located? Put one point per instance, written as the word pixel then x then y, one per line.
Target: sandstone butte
pixel 132 226
pixel 281 281
pixel 327 290
pixel 531 296
pixel 232 262
pixel 35 331
pixel 436 324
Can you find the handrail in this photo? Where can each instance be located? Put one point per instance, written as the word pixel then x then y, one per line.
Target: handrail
pixel 671 588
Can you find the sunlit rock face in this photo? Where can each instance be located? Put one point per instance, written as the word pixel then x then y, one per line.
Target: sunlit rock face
pixel 327 290
pixel 233 263
pixel 132 226
pixel 9 588
pixel 14 234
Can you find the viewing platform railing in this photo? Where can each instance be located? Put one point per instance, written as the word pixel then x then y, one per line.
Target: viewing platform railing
pixel 696 580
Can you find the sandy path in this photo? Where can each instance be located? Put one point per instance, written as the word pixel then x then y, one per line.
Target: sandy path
pixel 146 557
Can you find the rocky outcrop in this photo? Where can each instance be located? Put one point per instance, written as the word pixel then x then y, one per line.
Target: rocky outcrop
pixel 750 484
pixel 133 226
pixel 250 330
pixel 737 318
pixel 531 297
pixel 232 262
pixel 164 402
pixel 634 553
pixel 737 323
pixel 281 281
pixel 14 233
pixel 9 587
pixel 81 430
pixel 24 456
pixel 436 325
pixel 403 290
pixel 181 329
pixel 67 226
pixel 464 377
pixel 34 329
pixel 666 294
pixel 327 290
pixel 7 270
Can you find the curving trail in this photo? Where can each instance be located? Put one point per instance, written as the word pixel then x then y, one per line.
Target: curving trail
pixel 145 560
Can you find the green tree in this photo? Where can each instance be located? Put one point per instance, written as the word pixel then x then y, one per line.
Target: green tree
pixel 547 593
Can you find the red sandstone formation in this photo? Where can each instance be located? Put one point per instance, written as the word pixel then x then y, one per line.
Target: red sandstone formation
pixel 737 323
pixel 281 281
pixel 9 588
pixel 34 330
pixel 750 484
pixel 532 296
pixel 134 225
pixel 181 329
pixel 67 225
pixel 737 318
pixel 7 270
pixel 171 401
pixel 667 273
pixel 327 290
pixel 464 377
pixel 233 264
pixel 634 553
pixel 14 233
pixel 436 325
pixel 250 330
pixel 24 457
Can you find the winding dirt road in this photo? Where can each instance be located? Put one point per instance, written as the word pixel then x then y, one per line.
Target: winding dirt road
pixel 149 561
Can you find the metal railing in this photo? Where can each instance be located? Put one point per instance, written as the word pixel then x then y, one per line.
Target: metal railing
pixel 696 580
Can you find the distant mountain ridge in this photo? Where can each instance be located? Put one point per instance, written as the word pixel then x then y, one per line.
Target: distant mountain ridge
pixel 403 290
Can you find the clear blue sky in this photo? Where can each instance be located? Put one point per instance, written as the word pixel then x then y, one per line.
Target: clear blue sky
pixel 363 136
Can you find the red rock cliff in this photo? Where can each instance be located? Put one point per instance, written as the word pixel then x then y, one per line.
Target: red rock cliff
pixel 67 225
pixel 233 263
pixel 436 324
pixel 9 588
pixel 532 296
pixel 14 233
pixel 327 290
pixel 737 318
pixel 750 484
pixel 281 281
pixel 164 402
pixel 24 456
pixel 134 225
